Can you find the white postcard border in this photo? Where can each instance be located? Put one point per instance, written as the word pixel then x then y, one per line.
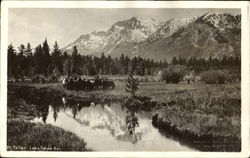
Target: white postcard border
pixel 245 84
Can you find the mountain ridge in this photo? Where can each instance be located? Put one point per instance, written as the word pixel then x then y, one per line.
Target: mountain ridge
pixel 211 34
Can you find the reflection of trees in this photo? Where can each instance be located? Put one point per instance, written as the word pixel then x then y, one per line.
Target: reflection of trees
pixel 56 102
pixel 75 105
pixel 55 111
pixel 132 122
pixel 43 103
pixel 74 110
pixel 45 111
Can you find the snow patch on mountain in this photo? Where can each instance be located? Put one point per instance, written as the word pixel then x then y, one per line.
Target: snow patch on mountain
pixel 150 24
pixel 222 21
pixel 167 28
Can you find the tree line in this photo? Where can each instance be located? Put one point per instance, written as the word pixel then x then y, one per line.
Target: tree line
pixel 53 62
pixel 201 64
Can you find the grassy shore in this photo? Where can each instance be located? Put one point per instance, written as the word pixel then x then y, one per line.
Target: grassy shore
pixel 208 118
pixel 28 136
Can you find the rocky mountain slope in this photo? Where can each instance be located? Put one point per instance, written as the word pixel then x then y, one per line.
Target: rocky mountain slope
pixel 211 34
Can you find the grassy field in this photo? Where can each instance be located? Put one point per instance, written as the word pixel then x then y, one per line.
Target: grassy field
pixel 197 110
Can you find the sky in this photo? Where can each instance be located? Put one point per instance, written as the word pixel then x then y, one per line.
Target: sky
pixel 65 25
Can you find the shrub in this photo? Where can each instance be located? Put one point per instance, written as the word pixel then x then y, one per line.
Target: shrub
pixel 174 73
pixel 213 77
pixel 232 75
pixel 38 78
pixel 173 77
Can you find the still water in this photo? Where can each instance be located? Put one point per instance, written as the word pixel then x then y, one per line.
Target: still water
pixel 109 126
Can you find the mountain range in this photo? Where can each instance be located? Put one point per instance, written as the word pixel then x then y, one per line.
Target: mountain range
pixel 211 34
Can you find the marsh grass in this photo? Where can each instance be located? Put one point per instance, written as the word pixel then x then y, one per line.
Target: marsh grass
pixel 28 136
pixel 210 115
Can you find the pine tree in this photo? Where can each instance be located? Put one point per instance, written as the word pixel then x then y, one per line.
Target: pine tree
pixel 56 59
pixel 123 65
pixel 132 65
pixel 21 50
pixel 91 68
pixel 29 60
pixel 67 65
pixel 46 57
pixel 75 61
pixel 132 85
pixel 141 68
pixel 12 69
pixel 28 50
pixel 174 61
pixel 38 60
pixel 21 63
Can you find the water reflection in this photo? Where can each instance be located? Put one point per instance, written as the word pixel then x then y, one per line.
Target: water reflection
pixel 105 126
pixel 132 122
pixel 44 113
pixel 101 116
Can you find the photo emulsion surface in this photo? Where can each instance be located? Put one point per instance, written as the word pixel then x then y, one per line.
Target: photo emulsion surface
pixel 124 79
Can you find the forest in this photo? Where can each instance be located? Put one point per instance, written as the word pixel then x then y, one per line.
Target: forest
pixel 26 62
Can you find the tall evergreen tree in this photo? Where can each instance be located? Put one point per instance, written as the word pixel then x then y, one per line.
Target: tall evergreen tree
pixel 75 61
pixel 46 58
pixel 56 59
pixel 132 85
pixel 141 68
pixel 29 60
pixel 12 67
pixel 38 60
pixel 28 50
pixel 22 65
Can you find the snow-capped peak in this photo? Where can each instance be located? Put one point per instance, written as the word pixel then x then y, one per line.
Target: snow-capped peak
pixel 134 29
pixel 221 20
pixel 169 27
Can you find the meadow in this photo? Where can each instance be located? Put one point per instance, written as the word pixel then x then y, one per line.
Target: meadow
pixel 158 91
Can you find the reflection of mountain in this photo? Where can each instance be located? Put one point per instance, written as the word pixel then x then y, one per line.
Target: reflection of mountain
pixel 98 117
pixel 113 119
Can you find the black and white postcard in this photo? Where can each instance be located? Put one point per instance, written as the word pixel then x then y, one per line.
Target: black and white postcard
pixel 125 79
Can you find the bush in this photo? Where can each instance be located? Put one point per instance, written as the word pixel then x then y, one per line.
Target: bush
pixel 174 74
pixel 232 75
pixel 213 77
pixel 173 77
pixel 39 78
